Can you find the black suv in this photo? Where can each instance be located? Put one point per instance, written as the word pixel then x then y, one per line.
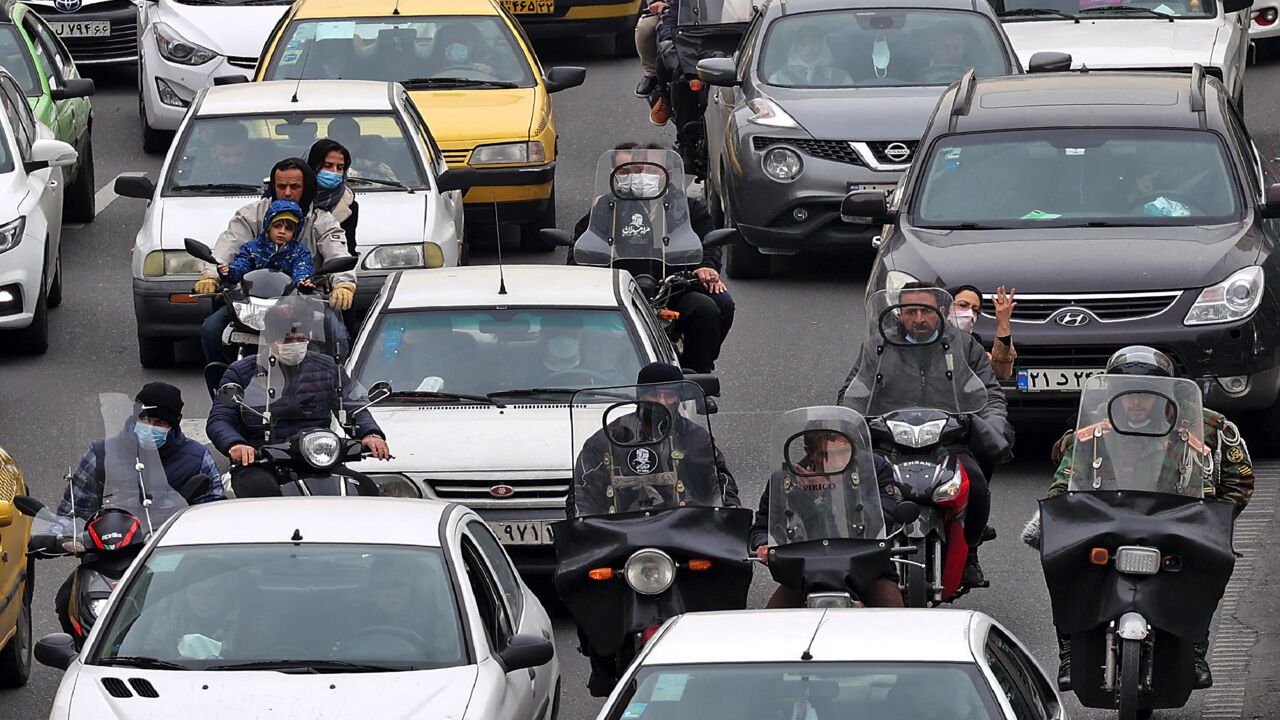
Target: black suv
pixel 1125 208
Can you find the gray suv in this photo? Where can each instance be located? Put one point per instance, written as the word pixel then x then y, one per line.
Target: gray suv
pixel 825 97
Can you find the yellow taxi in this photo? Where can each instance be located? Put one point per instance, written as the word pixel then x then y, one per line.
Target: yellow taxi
pixel 614 19
pixel 469 69
pixel 16 579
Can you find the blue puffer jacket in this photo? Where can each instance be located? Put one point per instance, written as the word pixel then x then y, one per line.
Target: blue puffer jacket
pixel 309 393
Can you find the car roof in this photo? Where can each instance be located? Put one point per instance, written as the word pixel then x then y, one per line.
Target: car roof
pixel 844 635
pixel 387 8
pixel 1079 99
pixel 361 520
pixel 526 285
pixel 792 7
pixel 277 96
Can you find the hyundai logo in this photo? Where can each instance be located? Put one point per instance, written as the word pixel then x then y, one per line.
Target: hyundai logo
pixel 68 5
pixel 502 491
pixel 897 152
pixel 1072 319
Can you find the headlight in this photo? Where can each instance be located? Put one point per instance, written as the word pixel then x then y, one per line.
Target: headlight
pixel 916 436
pixel 171 262
pixel 650 571
pixel 769 113
pixel 11 234
pixel 175 48
pixel 394 257
pixel 896 279
pixel 254 312
pixel 320 448
pixel 1138 560
pixel 396 486
pixel 947 490
pixel 1232 299
pixel 508 154
pixel 97 606
pixel 782 163
pixel 826 600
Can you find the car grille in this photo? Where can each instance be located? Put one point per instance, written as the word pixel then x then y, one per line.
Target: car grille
pixel 1075 357
pixel 120 46
pixel 1105 307
pixel 248 63
pixel 834 150
pixel 879 149
pixel 454 158
pixel 474 492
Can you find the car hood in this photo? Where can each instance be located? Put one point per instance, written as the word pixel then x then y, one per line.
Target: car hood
pixel 860 113
pixel 1125 259
pixel 259 695
pixel 1120 42
pixel 234 30
pixel 462 119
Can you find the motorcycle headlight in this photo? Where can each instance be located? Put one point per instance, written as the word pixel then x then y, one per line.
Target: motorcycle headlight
pixel 395 257
pixel 320 448
pixel 1232 299
pixel 769 113
pixel 175 48
pixel 947 490
pixel 509 154
pixel 97 606
pixel 11 234
pixel 1138 560
pixel 828 600
pixel 650 571
pixel 254 312
pixel 916 436
pixel 170 262
pixel 393 485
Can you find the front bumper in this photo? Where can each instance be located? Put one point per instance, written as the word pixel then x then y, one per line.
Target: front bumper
pixel 583 18
pixel 518 211
pixel 21 272
pixel 181 82
pixel 121 46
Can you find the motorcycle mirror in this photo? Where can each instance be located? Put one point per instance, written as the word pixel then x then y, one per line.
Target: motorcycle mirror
pixel 556 236
pixel 723 236
pixel 56 650
pixel 230 394
pixel 194 487
pixel 199 250
pixel 338 264
pixel 906 512
pixel 27 505
pixel 709 383
pixel 380 391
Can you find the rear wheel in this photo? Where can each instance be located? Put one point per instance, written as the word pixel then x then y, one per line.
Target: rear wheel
pixel 155 353
pixel 15 659
pixel 624 44
pixel 1130 673
pixel 78 205
pixel 530 232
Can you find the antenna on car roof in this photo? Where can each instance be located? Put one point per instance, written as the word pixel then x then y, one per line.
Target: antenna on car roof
pixel 396 10
pixel 306 55
pixel 807 655
pixel 497 230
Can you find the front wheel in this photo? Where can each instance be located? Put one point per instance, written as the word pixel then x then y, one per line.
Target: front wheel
pixel 15 659
pixel 1130 678
pixel 530 232
pixel 79 203
pixel 916 592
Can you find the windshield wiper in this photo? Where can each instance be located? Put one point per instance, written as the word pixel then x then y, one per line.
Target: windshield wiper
pixel 225 188
pixel 307 666
pixel 1126 10
pixel 377 181
pixel 978 226
pixel 1038 12
pixel 138 661
pixel 413 83
pixel 529 392
pixel 439 395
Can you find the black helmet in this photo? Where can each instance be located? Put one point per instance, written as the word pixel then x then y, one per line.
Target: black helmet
pixel 1140 360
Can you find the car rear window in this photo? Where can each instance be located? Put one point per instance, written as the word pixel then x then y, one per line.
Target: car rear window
pixel 16 58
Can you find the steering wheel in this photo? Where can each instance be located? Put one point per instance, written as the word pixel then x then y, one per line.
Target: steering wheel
pixel 469 71
pixel 410 637
pixel 943 73
pixel 1183 198
pixel 591 375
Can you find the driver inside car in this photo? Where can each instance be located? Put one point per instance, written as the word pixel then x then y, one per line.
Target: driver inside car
pixel 460 46
pixel 810 62
pixel 401 619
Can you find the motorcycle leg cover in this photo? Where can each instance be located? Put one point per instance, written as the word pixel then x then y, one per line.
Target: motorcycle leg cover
pixel 249 482
pixel 62 604
pixel 830 565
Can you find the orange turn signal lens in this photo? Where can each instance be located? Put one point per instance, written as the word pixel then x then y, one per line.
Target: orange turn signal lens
pixel 601 574
pixel 183 298
pixel 1099 556
pixel 698 565
pixel 696 85
pixel 669 315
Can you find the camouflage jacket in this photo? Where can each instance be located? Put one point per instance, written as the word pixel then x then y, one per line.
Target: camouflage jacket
pixel 1232 473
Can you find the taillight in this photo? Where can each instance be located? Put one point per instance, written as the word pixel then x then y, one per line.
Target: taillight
pixel 648 633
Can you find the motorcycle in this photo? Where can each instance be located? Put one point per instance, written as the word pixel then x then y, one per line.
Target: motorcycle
pixel 308 461
pixel 136 500
pixel 649 537
pixel 921 401
pixel 1135 558
pixel 826 521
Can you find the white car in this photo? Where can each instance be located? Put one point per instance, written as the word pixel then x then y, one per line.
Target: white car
pixel 448 339
pixel 183 46
pixel 849 663
pixel 1156 35
pixel 30 221
pixel 224 151
pixel 315 607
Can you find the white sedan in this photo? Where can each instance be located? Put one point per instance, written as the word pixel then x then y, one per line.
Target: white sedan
pixel 318 608
pixel 826 664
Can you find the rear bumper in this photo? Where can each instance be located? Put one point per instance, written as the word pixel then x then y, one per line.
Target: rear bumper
pixel 583 18
pixel 519 211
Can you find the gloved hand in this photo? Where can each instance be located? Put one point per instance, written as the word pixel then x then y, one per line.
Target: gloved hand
pixel 1031 532
pixel 205 286
pixel 341 296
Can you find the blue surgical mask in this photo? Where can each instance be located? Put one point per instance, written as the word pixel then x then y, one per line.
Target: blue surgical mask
pixel 457 53
pixel 150 436
pixel 328 180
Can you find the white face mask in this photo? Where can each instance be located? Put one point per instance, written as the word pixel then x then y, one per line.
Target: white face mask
pixel 640 185
pixel 291 353
pixel 563 347
pixel 964 320
pixel 880 56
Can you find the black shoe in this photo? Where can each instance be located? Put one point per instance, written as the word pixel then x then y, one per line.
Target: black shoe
pixel 973 575
pixel 647 85
pixel 1064 663
pixel 1204 678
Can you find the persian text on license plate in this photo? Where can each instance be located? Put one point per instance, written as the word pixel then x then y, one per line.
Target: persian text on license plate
pixel 1051 379
pixel 100 28
pixel 536 532
pixel 530 7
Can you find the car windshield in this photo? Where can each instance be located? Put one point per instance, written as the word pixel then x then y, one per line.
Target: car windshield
pixel 231 606
pixel 1076 177
pixel 234 2
pixel 889 691
pixel 16 58
pixel 445 51
pixel 234 155
pixel 880 48
pixel 1049 9
pixel 480 351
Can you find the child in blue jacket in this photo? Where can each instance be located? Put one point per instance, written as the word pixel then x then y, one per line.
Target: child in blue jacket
pixel 275 247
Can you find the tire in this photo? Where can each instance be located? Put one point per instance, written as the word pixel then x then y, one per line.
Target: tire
pixel 464 253
pixel 154 141
pixel 34 339
pixel 530 239
pixel 1130 669
pixel 155 353
pixel 55 289
pixel 1259 430
pixel 555 701
pixel 78 205
pixel 624 44
pixel 15 658
pixel 742 261
pixel 917 590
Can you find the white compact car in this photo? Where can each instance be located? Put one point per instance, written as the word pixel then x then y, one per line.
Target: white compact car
pixel 483 368
pixel 315 607
pixel 224 152
pixel 30 221
pixel 854 663
pixel 1156 35
pixel 184 45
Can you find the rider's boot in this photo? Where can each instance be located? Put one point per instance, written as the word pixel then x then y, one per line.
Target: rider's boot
pixel 973 575
pixel 660 113
pixel 1064 662
pixel 1204 678
pixel 647 85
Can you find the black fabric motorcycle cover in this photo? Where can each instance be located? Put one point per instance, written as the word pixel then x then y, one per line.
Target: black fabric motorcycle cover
pixel 607 611
pixel 699 42
pixel 1085 595
pixel 833 565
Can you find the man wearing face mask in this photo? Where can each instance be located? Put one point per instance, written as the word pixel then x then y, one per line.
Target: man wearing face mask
pixel 810 63
pixel 460 46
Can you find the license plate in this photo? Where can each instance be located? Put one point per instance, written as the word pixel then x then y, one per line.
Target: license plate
pixel 530 7
pixel 536 532
pixel 99 28
pixel 885 188
pixel 1051 379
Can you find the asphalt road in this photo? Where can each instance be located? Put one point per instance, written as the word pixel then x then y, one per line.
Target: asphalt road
pixel 794 339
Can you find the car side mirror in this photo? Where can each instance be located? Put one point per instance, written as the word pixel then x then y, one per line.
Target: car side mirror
pixel 56 650
pixel 556 236
pixel 906 512
pixel 721 72
pixel 526 651
pixel 338 264
pixel 1231 6
pixel 6 514
pixel 47 153
pixel 865 207
pixel 28 505
pixel 199 250
pixel 1272 208
pixel 722 236
pixel 73 88
pixel 229 80
pixel 1046 62
pixel 563 78
pixel 194 487
pixel 135 186
pixel 230 394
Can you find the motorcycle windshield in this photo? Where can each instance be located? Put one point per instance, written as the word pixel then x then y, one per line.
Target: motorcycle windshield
pixel 913 359
pixel 824 480
pixel 1139 432
pixel 640 212
pixel 643 447
pixel 713 12
pixel 133 477
pixel 297 378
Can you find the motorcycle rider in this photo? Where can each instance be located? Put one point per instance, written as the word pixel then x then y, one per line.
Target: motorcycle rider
pixel 822 450
pixel 1230 477
pixel 291 179
pixel 920 322
pixel 311 380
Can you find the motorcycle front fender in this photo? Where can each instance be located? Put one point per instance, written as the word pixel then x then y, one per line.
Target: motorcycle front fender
pixel 1132 626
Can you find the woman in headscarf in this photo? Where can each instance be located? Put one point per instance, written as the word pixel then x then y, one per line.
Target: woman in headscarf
pixel 966 304
pixel 330 161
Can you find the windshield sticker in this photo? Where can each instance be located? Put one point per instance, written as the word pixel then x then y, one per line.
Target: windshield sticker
pixel 330 30
pixel 951 153
pixel 669 688
pixel 1040 215
pixel 634 710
